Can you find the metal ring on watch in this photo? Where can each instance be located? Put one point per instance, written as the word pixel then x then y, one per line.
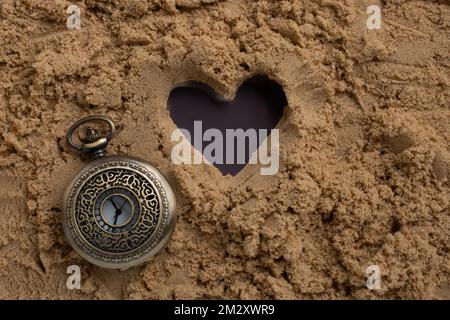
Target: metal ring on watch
pixel 77 124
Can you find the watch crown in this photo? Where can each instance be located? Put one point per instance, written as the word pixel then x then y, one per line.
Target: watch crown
pixel 91 135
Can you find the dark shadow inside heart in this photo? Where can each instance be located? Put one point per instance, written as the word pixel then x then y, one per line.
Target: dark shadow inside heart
pixel 259 104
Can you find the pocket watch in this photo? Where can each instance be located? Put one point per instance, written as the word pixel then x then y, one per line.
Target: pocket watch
pixel 119 211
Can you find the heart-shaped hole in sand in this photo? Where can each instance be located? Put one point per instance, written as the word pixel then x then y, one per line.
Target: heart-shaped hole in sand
pixel 259 105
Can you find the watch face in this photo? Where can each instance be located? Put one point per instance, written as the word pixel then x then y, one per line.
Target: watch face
pixel 119 212
pixel 116 209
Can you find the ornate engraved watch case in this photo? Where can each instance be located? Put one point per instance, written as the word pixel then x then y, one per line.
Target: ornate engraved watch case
pixel 119 211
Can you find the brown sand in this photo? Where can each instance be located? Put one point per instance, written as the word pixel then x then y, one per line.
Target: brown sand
pixel 364 176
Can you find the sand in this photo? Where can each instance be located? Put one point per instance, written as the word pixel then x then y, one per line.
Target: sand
pixel 364 163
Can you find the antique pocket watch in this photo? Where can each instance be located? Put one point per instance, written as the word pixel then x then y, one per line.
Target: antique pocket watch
pixel 119 211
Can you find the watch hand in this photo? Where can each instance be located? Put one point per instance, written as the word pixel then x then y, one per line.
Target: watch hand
pixel 113 203
pixel 115 218
pixel 125 201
